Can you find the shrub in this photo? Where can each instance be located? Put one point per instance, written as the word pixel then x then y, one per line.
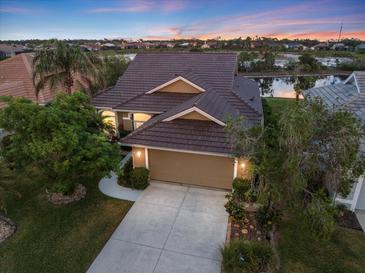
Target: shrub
pixel 235 203
pixel 66 188
pixel 247 256
pixel 319 216
pixel 240 187
pixel 251 196
pixel 234 208
pixel 125 173
pixel 267 217
pixel 139 178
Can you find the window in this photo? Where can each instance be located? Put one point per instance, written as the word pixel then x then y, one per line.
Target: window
pixel 126 116
pixel 139 119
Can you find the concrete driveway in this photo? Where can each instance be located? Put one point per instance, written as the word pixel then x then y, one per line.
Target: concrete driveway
pixel 170 228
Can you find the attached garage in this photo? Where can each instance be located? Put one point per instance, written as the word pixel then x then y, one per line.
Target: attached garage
pixel 191 168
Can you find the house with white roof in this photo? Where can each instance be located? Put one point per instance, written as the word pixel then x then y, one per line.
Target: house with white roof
pixel 349 95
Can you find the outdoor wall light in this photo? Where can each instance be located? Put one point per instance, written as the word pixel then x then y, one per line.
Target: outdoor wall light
pixel 243 165
pixel 139 154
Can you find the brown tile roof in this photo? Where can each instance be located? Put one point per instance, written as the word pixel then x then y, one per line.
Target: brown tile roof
pixel 16 79
pixel 157 102
pixel 225 95
pixel 149 70
pixel 202 136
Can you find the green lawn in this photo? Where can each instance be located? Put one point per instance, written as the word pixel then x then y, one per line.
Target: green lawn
pixel 299 252
pixel 279 104
pixel 58 238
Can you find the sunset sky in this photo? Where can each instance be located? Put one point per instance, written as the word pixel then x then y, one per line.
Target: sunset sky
pixel 165 19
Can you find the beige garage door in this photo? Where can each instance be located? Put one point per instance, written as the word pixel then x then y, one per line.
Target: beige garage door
pixel 189 168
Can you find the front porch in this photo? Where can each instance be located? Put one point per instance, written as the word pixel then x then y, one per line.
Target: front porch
pixel 123 121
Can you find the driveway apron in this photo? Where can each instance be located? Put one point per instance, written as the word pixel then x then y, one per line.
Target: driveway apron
pixel 170 228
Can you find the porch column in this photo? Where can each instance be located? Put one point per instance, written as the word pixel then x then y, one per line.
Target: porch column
pixel 357 193
pixel 116 123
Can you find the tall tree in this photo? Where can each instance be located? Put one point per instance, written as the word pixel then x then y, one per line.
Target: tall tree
pixel 301 157
pixel 109 72
pixel 61 65
pixel 65 140
pixel 303 83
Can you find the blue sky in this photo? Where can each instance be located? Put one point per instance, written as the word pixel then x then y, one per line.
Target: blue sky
pixel 163 19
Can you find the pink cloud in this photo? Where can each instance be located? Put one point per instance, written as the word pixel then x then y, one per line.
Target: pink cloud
pixel 171 6
pixel 142 6
pixel 277 22
pixel 128 6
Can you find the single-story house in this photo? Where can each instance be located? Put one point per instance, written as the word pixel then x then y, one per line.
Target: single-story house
pixel 16 79
pixel 360 48
pixel 11 50
pixel 176 105
pixel 349 95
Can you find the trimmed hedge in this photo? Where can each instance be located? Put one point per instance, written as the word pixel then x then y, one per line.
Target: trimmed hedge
pixel 139 178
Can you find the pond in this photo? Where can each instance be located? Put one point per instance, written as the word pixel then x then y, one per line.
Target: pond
pixel 284 86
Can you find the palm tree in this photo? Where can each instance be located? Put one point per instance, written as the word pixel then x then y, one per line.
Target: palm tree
pixel 64 65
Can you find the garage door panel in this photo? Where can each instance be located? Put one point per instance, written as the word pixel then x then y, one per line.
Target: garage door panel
pixel 189 168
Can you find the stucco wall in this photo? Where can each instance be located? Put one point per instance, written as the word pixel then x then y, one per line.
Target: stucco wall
pixel 244 169
pixel 180 86
pixel 194 116
pixel 141 117
pixel 138 156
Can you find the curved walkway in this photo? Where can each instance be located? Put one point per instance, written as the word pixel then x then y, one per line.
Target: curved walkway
pixel 110 187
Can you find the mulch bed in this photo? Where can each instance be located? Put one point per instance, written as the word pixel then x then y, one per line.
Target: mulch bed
pixel 7 228
pixel 246 229
pixel 61 199
pixel 348 219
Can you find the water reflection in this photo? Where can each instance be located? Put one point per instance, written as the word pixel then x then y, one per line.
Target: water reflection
pixel 285 86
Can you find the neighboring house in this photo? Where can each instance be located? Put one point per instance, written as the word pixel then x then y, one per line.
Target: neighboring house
pixel 90 47
pixel 321 46
pixel 360 48
pixel 339 46
pixel 205 46
pixel 349 95
pixel 11 50
pixel 295 46
pixel 16 79
pixel 177 104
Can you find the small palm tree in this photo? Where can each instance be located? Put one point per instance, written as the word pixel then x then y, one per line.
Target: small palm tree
pixel 64 65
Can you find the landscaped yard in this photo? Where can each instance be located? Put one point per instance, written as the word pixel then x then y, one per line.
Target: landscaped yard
pixel 58 238
pixel 299 252
pixel 278 104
